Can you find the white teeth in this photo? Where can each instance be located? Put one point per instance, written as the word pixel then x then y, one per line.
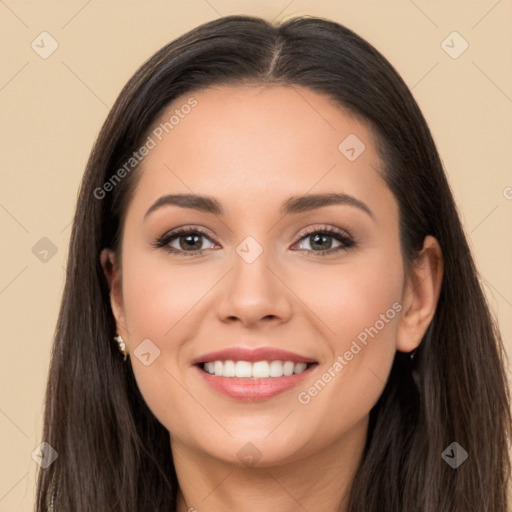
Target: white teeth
pixel 242 369
pixel 257 370
pixel 261 369
pixel 229 369
pixel 276 369
pixel 299 367
pixel 288 368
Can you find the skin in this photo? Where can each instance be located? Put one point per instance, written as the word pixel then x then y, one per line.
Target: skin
pixel 252 148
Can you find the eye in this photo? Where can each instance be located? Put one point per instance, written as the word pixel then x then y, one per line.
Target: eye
pixel 321 239
pixel 189 241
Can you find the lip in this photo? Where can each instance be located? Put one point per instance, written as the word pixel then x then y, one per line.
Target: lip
pixel 253 355
pixel 253 390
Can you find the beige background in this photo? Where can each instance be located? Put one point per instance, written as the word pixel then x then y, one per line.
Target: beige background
pixel 52 110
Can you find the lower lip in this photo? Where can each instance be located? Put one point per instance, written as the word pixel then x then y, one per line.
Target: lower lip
pixel 254 389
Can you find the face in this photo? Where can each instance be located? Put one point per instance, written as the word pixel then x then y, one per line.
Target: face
pixel 260 273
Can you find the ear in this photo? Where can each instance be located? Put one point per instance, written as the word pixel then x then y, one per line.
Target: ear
pixel 420 296
pixel 112 271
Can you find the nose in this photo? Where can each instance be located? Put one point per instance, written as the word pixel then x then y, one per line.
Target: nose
pixel 254 293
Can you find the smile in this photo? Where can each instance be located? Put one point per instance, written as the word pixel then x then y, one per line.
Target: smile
pixel 253 374
pixel 257 370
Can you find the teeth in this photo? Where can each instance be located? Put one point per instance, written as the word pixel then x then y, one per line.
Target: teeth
pixel 242 369
pixel 258 370
pixel 261 370
pixel 299 367
pixel 229 369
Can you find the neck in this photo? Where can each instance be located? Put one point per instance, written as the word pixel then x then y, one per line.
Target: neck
pixel 319 482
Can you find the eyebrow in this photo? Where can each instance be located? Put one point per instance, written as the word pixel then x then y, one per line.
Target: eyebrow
pixel 293 205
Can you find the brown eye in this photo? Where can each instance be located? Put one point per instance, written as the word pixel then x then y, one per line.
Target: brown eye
pixel 185 241
pixel 321 241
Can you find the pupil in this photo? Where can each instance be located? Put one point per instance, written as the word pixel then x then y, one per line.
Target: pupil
pixel 317 237
pixel 190 241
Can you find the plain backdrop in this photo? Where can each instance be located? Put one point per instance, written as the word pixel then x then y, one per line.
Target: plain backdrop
pixel 53 105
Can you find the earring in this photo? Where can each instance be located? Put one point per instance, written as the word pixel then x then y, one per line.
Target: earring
pixel 412 354
pixel 121 345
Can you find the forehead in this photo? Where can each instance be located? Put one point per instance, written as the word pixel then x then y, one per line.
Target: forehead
pixel 249 144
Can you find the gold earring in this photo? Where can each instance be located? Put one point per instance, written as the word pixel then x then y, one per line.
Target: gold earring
pixel 121 345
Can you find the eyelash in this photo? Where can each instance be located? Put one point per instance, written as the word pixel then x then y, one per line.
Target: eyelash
pixel 340 236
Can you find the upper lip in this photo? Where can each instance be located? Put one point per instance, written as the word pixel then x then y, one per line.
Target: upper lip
pixel 252 355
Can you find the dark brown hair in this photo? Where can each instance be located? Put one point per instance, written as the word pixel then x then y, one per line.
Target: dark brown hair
pixel 113 453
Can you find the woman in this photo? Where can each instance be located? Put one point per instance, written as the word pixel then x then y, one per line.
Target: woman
pixel 211 354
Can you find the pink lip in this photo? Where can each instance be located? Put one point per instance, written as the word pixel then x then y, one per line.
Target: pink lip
pixel 252 355
pixel 254 389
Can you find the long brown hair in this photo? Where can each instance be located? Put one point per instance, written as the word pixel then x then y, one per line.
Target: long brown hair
pixel 115 455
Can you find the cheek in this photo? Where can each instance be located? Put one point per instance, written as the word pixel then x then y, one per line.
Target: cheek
pixel 159 303
pixel 361 306
pixel 367 309
pixel 353 299
pixel 354 310
pixel 158 296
